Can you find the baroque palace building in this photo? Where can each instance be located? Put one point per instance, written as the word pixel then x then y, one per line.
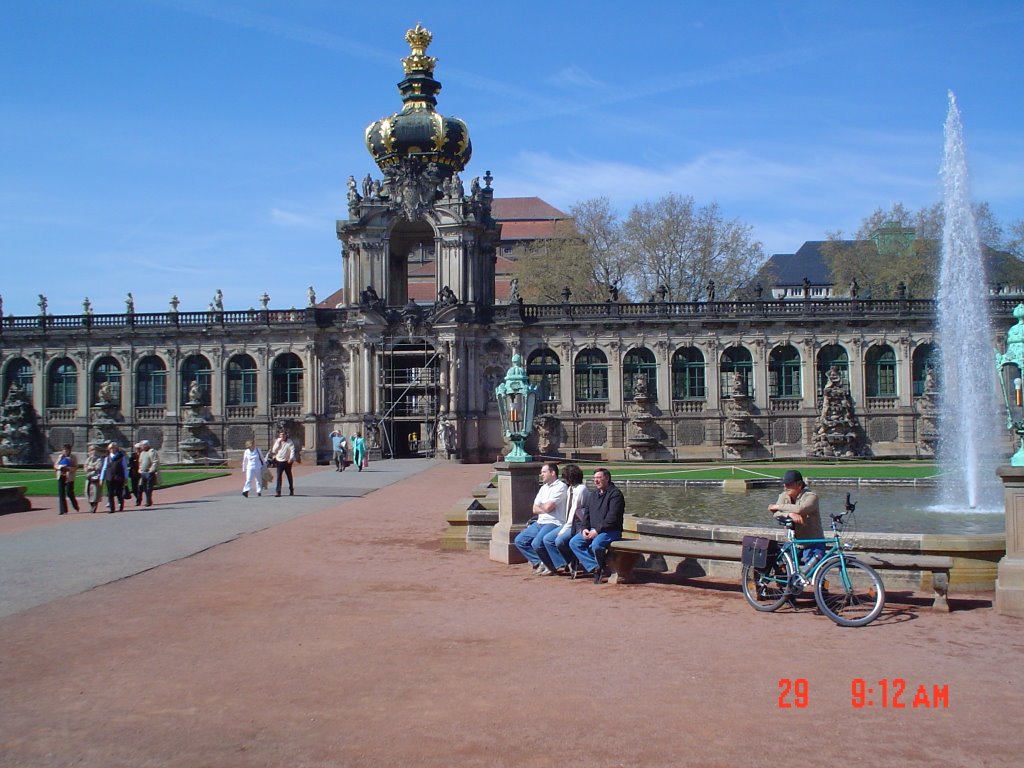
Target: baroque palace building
pixel 410 350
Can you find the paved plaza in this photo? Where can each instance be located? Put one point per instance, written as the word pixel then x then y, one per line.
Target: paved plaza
pixel 329 629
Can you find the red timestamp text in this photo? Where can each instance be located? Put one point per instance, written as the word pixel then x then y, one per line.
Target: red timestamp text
pixel 897 693
pixel 793 693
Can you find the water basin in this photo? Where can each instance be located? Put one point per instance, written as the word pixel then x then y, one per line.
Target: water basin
pixel 899 509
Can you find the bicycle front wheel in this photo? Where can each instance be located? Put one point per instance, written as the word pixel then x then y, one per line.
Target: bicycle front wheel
pixel 766 589
pixel 851 598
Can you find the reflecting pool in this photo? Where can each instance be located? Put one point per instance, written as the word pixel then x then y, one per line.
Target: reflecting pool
pixel 882 509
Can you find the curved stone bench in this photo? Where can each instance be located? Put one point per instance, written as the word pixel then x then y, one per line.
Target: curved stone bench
pixel 930 556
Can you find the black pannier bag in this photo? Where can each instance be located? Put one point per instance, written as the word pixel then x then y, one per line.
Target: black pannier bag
pixel 758 551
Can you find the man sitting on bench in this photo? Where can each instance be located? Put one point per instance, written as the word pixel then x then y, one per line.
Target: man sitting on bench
pixel 602 524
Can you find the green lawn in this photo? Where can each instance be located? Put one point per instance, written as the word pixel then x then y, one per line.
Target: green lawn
pixel 43 482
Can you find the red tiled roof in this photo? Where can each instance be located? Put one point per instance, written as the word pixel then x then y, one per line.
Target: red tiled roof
pixel 503 265
pixel 333 300
pixel 529 230
pixel 506 209
pixel 426 268
pixel 423 293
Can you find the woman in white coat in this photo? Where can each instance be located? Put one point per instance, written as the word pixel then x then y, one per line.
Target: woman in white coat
pixel 252 468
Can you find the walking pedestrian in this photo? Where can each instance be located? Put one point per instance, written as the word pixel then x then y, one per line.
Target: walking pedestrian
pixel 134 486
pixel 93 485
pixel 339 448
pixel 359 451
pixel 252 469
pixel 114 472
pixel 284 453
pixel 149 464
pixel 66 466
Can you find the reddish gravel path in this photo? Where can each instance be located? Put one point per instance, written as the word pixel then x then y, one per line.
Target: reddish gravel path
pixel 346 638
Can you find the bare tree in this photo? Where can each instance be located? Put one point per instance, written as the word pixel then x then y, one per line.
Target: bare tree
pixel 550 265
pixel 600 230
pixel 673 243
pixel 902 246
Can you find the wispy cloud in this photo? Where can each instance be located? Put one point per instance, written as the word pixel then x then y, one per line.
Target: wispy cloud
pixel 302 220
pixel 574 77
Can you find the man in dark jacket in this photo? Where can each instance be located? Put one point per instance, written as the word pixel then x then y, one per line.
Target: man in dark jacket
pixel 602 524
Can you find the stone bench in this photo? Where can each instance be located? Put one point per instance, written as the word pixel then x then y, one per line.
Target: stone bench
pixel 628 553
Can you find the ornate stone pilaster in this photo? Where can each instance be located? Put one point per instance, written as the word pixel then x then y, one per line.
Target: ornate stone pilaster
pixel 517 487
pixel 1010 571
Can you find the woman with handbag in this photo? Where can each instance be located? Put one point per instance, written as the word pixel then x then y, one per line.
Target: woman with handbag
pixel 252 469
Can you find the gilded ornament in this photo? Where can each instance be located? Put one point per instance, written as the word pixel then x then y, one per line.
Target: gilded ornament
pixel 440 136
pixel 387 138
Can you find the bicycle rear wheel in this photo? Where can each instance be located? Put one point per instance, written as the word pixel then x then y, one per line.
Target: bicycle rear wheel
pixel 850 599
pixel 766 589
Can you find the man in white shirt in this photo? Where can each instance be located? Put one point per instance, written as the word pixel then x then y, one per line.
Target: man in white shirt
pixel 556 542
pixel 284 454
pixel 549 509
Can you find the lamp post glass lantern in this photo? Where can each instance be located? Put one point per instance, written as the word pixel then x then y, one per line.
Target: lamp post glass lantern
pixel 1011 379
pixel 517 401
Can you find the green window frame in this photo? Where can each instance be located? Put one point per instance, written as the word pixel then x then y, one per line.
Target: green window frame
pixel 543 369
pixel 784 379
pixel 63 384
pixel 286 380
pixel 196 368
pixel 881 372
pixel 829 356
pixel 689 375
pixel 19 371
pixel 151 383
pixel 241 381
pixel 106 371
pixel 639 362
pixel 591 372
pixel 735 360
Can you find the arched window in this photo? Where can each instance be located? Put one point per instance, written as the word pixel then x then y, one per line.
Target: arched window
pixel 62 391
pixel 241 381
pixel 542 369
pixel 832 356
pixel 639 362
pixel 736 360
pixel 880 378
pixel 591 375
pixel 106 371
pixel 286 380
pixel 926 357
pixel 196 368
pixel 19 371
pixel 784 372
pixel 688 376
pixel 151 382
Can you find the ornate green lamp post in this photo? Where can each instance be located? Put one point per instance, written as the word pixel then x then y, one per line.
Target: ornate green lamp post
pixel 1010 367
pixel 517 402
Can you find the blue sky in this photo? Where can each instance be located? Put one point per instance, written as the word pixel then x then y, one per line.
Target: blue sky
pixel 177 146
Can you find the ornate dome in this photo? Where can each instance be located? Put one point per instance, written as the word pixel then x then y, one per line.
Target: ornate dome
pixel 419 133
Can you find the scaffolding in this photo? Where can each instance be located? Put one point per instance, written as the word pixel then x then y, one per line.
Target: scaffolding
pixel 409 394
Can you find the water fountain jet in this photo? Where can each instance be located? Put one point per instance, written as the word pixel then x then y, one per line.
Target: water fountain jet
pixel 968 409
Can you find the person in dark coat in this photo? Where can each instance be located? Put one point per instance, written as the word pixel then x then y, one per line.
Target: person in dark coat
pixel 114 473
pixel 602 524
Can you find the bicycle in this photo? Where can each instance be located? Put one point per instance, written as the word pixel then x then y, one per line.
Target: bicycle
pixel 846 590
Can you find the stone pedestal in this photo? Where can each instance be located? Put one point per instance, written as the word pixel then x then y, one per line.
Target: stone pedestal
pixel 1010 572
pixel 517 488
